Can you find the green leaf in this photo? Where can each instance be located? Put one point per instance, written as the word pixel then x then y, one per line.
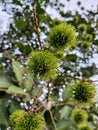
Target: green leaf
pixel 63 124
pixel 20 23
pixel 23 48
pixel 4 82
pixel 14 105
pixel 65 112
pixel 4 85
pixel 60 79
pixel 37 91
pixel 2 67
pixel 39 10
pixel 26 98
pixel 3 115
pixel 18 71
pixel 16 90
pixel 66 93
pixel 17 2
pixel 28 81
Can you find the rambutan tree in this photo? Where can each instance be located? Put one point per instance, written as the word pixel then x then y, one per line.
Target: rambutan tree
pixel 46 70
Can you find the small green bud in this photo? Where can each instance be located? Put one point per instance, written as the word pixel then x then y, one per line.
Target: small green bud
pixel 88 37
pixel 85 46
pixel 43 64
pixel 55 21
pixel 60 54
pixel 86 127
pixel 83 27
pixel 79 116
pixel 63 37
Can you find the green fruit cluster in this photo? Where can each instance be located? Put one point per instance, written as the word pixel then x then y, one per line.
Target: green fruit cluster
pixel 63 36
pixel 21 120
pixel 43 64
pixel 79 116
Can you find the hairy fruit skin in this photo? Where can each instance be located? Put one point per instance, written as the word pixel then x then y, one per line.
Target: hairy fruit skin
pixel 43 64
pixel 86 127
pixel 26 121
pixel 63 37
pixel 15 116
pixel 79 116
pixel 83 92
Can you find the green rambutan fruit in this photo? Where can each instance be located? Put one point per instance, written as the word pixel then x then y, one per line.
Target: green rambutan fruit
pixel 85 46
pixel 86 127
pixel 63 36
pixel 83 27
pixel 15 116
pixel 88 37
pixel 79 116
pixel 27 121
pixel 43 64
pixel 83 92
pixel 59 54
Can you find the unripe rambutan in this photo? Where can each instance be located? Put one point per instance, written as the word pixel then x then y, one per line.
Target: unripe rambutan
pixel 63 37
pixel 79 116
pixel 27 121
pixel 83 92
pixel 43 64
pixel 85 46
pixel 88 37
pixel 86 127
pixel 83 27
pixel 15 116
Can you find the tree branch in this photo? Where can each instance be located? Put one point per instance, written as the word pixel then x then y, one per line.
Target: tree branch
pixel 37 27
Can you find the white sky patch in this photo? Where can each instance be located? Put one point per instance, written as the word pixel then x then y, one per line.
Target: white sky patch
pixel 3 20
pixel 95 60
pixel 72 5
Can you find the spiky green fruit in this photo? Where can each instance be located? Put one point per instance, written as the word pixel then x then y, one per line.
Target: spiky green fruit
pixel 43 64
pixel 85 46
pixel 27 121
pixel 86 127
pixel 15 115
pixel 83 27
pixel 83 92
pixel 63 36
pixel 79 116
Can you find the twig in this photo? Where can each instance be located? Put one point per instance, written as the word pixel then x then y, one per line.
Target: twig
pixel 53 120
pixel 76 78
pixel 37 27
pixel 48 94
pixel 12 92
pixel 10 78
pixel 35 101
pixel 30 46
